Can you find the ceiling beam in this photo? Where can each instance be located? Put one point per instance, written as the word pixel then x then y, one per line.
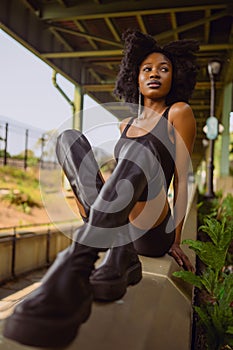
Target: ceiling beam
pixel 216 47
pixel 52 12
pixel 99 87
pixel 191 25
pixel 61 39
pixel 141 24
pixel 62 2
pixel 112 29
pixel 82 29
pixel 87 54
pixel 106 53
pixel 200 107
pixel 32 6
pixel 207 26
pixel 205 85
pixel 87 36
pixel 174 25
pixel 174 31
pixel 110 87
pixel 95 75
pixel 104 70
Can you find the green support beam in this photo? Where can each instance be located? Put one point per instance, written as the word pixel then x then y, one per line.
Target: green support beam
pixel 118 52
pixel 78 102
pixel 227 108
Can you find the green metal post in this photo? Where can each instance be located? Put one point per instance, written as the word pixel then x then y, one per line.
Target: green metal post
pixel 227 108
pixel 78 103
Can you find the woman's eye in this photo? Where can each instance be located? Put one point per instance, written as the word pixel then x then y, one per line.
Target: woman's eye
pixel 164 69
pixel 146 69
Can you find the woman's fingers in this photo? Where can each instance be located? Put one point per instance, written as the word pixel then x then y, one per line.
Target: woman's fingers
pixel 181 258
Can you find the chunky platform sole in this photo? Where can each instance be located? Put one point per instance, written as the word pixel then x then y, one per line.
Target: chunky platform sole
pixel 110 290
pixel 48 332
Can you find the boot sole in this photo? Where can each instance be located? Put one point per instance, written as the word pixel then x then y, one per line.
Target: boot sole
pixel 111 290
pixel 32 331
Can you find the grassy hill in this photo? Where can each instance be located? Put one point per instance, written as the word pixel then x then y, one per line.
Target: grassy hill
pixel 20 198
pixel 20 188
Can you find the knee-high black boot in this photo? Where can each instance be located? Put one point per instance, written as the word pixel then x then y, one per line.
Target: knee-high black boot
pixel 78 162
pixel 122 266
pixel 51 315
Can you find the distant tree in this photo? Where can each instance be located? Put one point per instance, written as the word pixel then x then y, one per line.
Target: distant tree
pixel 2 153
pixel 21 155
pixel 47 143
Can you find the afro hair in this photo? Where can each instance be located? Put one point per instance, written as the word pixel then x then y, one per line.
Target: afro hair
pixel 181 53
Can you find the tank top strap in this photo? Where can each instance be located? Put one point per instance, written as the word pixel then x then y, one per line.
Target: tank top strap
pixel 127 127
pixel 165 113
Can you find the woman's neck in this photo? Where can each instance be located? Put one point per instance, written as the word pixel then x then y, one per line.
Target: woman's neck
pixel 154 106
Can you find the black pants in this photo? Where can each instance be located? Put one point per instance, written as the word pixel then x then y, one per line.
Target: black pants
pixel 76 157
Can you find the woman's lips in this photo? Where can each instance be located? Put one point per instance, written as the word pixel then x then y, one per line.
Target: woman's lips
pixel 154 84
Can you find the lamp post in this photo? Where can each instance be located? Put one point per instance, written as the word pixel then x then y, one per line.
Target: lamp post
pixel 212 127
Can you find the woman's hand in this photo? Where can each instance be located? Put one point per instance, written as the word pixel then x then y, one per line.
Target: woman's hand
pixel 181 258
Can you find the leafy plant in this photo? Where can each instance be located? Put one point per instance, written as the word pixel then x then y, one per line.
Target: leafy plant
pixel 21 199
pixel 216 309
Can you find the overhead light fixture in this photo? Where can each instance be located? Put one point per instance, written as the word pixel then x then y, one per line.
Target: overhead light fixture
pixel 214 67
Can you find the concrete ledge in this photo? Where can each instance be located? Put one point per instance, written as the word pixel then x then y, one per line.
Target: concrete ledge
pixel 6 259
pixel 156 314
pixel 7 304
pixel 164 267
pixel 152 315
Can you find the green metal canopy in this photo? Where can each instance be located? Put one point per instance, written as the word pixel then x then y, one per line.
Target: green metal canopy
pixel 82 40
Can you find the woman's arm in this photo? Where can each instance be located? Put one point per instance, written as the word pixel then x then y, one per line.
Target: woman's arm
pixel 184 124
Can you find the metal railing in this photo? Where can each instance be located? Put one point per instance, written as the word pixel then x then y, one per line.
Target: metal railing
pixel 20 145
pixel 30 247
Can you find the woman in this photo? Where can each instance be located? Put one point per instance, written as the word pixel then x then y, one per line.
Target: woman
pixel 130 212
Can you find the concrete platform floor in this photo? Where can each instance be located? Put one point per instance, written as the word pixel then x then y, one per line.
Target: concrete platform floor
pixel 153 315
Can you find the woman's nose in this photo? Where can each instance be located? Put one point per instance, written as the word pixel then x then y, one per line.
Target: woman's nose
pixel 154 74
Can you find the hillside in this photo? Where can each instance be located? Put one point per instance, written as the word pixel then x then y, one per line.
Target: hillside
pixel 20 198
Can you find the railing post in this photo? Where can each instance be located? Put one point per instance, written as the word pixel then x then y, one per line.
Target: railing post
pixel 26 150
pixel 14 238
pixel 48 246
pixel 5 148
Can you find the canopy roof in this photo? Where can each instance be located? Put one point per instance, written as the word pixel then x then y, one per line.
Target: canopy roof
pixel 82 40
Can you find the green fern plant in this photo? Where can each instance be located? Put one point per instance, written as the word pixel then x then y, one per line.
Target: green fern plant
pixel 216 311
pixel 216 315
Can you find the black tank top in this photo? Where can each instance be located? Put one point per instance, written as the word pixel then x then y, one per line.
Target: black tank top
pixel 160 141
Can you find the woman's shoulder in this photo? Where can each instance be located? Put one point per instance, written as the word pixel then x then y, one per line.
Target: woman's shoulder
pixel 180 106
pixel 180 111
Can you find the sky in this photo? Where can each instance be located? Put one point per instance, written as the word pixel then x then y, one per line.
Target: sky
pixel 28 98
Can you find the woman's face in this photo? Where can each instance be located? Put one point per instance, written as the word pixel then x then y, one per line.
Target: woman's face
pixel 155 76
